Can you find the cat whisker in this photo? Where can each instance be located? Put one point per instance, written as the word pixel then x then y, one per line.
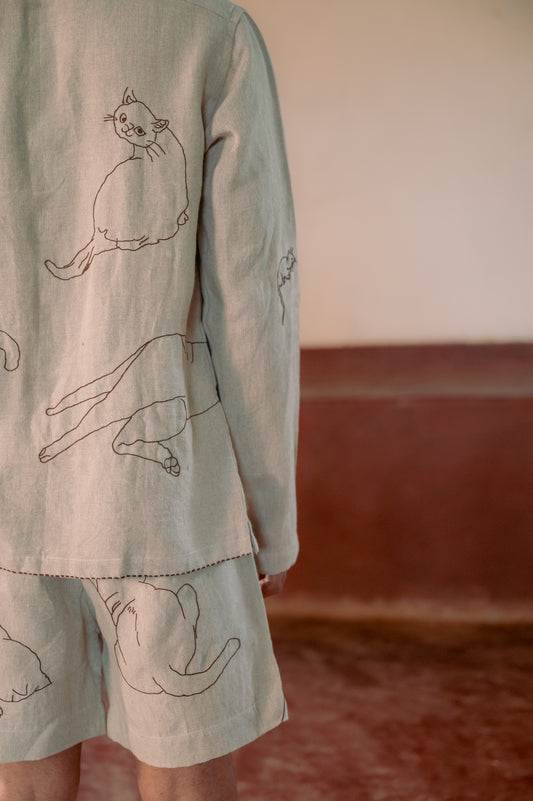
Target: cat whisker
pixel 109 118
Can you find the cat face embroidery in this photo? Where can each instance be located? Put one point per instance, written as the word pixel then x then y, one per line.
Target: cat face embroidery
pixel 135 123
pixel 144 199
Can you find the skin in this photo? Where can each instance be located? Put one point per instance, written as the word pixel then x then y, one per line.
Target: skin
pixel 56 778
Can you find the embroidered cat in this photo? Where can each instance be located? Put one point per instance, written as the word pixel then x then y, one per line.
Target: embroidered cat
pixel 21 673
pixel 11 351
pixel 153 404
pixel 285 268
pixel 157 638
pixel 144 199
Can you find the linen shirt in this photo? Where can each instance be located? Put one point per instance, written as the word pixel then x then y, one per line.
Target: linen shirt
pixel 148 291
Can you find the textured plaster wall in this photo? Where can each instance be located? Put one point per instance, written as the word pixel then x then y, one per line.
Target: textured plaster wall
pixel 410 133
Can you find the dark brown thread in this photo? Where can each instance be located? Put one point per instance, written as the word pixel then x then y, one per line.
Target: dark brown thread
pixel 114 397
pixel 126 575
pixel 285 268
pixel 158 161
pixel 157 616
pixel 21 673
pixel 11 351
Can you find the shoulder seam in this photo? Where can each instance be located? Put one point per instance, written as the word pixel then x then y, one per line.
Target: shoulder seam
pixel 215 12
pixel 238 13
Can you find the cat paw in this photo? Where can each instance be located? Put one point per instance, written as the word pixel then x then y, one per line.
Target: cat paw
pixel 171 466
pixel 45 456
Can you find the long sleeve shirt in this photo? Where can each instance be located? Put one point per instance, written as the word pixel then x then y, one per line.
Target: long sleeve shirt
pixel 148 291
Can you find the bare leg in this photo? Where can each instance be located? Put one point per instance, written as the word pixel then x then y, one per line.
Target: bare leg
pixel 209 781
pixel 53 779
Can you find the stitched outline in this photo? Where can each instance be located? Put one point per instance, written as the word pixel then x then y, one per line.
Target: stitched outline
pixel 120 237
pixel 132 439
pixel 32 675
pixel 285 269
pixel 127 575
pixel 11 350
pixel 174 616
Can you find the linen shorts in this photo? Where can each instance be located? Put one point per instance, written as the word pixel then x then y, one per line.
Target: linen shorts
pixel 186 661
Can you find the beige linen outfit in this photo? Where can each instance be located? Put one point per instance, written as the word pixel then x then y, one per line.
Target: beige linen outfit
pixel 149 346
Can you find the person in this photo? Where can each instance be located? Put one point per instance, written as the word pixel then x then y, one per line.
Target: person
pixel 148 391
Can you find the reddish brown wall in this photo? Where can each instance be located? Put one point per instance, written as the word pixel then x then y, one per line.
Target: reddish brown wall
pixel 416 474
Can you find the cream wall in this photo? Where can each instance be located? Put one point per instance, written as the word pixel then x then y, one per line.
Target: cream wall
pixel 409 126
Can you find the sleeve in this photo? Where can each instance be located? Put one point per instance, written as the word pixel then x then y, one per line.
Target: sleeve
pixel 248 275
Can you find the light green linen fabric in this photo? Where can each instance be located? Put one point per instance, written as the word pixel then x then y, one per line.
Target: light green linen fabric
pixel 148 291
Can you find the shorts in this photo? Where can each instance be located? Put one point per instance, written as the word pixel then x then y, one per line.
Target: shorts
pixel 186 661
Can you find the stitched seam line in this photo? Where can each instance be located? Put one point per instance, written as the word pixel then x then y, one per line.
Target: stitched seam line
pixel 126 575
pixel 230 62
pixel 209 10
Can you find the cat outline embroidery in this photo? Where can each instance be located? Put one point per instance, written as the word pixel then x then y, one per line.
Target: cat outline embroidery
pixel 11 351
pixel 152 616
pixel 285 268
pixel 152 417
pixel 152 183
pixel 21 673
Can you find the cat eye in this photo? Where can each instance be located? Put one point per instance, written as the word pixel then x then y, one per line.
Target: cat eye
pixel 123 117
pixel 139 131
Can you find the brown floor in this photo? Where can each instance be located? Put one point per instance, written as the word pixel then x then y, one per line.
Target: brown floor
pixel 381 711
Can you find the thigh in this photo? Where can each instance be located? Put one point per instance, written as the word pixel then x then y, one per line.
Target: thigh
pixel 50 668
pixel 189 664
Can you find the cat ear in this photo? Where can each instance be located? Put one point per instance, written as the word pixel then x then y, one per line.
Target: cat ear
pixel 159 125
pixel 128 97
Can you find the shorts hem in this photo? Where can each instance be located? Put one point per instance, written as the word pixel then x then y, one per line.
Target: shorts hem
pixel 26 746
pixel 193 748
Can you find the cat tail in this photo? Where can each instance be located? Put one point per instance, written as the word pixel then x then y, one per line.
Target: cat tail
pixel 187 684
pixel 79 264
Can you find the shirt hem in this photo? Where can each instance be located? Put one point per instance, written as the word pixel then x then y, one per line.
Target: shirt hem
pixel 141 574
